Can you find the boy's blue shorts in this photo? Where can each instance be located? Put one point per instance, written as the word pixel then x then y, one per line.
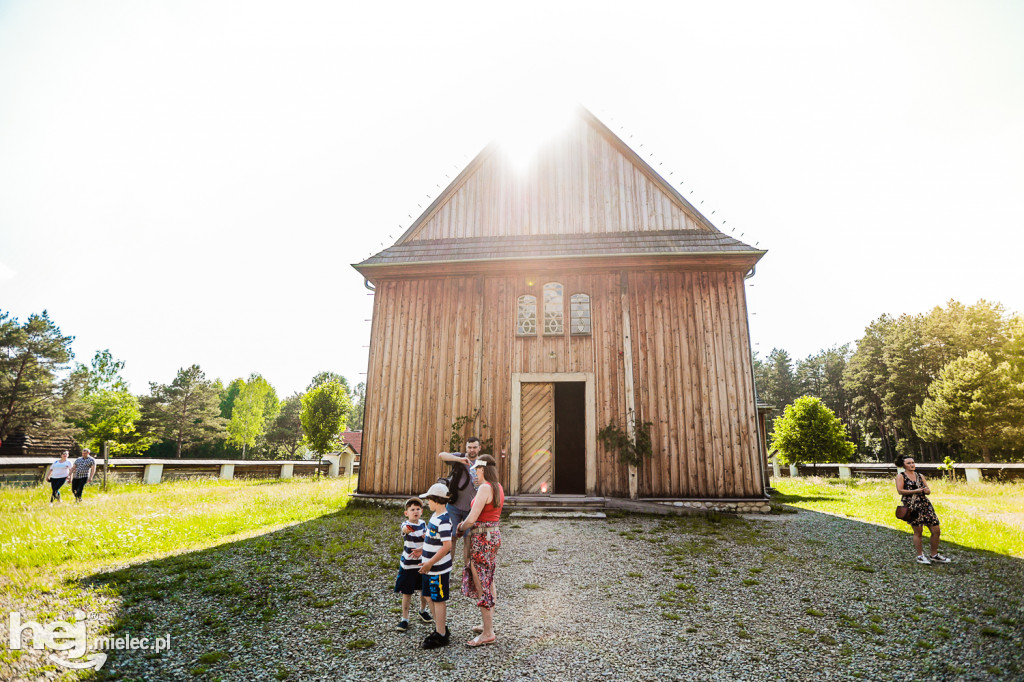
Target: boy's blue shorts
pixel 436 587
pixel 409 580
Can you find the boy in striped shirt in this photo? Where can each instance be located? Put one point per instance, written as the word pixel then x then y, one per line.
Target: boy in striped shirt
pixel 409 579
pixel 437 563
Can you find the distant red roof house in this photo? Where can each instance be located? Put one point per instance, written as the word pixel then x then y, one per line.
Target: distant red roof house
pixel 353 439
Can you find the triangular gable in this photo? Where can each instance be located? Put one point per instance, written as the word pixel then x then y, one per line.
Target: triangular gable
pixel 586 181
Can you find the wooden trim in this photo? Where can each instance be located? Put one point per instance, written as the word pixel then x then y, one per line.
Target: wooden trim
pixel 740 261
pixel 627 359
pixel 671 192
pixel 478 356
pixel 590 398
pixel 590 415
pixel 447 192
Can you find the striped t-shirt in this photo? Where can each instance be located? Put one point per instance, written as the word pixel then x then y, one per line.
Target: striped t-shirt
pixel 439 530
pixel 413 541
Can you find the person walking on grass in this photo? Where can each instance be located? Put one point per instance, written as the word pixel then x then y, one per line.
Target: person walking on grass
pixel 58 475
pixel 437 564
pixel 84 470
pixel 482 542
pixel 911 485
pixel 409 579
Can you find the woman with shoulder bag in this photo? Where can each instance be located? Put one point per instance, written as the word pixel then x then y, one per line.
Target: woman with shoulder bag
pixel 482 542
pixel 920 512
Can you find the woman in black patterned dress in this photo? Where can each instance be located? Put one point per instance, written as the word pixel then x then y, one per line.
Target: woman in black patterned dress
pixel 914 490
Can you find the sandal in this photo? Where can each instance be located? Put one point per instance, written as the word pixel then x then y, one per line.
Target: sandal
pixel 477 629
pixel 476 641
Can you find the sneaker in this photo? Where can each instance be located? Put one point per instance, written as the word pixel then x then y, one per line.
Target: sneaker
pixel 434 640
pixel 403 625
pixel 939 559
pixel 922 559
pixel 426 617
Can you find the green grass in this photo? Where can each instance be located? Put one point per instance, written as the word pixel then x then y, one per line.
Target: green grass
pixel 44 548
pixel 984 516
pixel 132 520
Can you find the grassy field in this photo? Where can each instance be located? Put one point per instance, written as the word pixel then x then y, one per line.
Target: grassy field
pixel 984 516
pixel 44 547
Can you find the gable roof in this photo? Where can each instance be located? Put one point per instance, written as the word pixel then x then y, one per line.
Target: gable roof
pixel 353 439
pixel 587 193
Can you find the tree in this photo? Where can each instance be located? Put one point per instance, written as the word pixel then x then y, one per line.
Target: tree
pixel 253 410
pixel 324 410
pixel 810 432
pixel 111 418
pixel 776 384
pixel 187 410
pixel 228 395
pixel 864 379
pixel 111 412
pixel 324 377
pixel 286 432
pixel 102 373
pixel 32 355
pixel 976 402
pixel 355 415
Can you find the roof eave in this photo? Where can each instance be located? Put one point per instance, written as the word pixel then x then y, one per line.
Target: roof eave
pixel 743 257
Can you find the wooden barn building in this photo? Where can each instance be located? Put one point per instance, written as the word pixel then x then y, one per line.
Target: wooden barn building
pixel 548 302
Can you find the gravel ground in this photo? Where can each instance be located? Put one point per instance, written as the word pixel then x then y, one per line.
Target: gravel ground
pixel 802 596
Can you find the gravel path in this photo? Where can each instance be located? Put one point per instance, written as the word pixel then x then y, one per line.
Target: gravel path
pixel 803 596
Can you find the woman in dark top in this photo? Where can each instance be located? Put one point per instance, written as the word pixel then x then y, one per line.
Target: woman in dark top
pixel 912 487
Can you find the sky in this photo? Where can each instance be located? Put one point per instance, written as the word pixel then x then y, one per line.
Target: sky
pixel 189 182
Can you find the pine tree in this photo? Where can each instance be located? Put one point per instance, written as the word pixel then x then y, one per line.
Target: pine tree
pixel 186 411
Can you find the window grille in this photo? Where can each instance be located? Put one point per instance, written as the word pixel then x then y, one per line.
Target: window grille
pixel 579 315
pixel 553 313
pixel 526 316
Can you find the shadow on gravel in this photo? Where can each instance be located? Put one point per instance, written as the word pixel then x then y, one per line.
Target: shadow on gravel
pixel 783 498
pixel 683 598
pixel 260 595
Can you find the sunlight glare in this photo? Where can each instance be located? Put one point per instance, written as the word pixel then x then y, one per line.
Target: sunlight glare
pixel 530 123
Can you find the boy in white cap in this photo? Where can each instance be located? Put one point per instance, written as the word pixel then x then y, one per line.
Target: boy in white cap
pixel 437 563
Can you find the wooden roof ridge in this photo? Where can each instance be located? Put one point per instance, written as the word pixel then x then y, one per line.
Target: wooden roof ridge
pixel 453 187
pixel 645 168
pixel 594 122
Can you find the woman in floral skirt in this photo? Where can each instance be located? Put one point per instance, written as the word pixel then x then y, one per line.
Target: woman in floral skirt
pixel 482 542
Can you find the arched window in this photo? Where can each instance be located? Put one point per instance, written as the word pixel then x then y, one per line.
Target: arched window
pixel 553 314
pixel 526 315
pixel 579 315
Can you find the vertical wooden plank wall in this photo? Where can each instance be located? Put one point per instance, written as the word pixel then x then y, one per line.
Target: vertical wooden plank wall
pixel 432 360
pixel 692 365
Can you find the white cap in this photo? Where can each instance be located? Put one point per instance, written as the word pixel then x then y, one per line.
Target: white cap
pixel 436 490
pixel 478 463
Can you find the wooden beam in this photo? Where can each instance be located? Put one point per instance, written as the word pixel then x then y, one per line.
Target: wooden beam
pixel 627 359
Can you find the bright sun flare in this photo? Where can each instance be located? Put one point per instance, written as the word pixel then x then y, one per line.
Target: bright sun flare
pixel 529 125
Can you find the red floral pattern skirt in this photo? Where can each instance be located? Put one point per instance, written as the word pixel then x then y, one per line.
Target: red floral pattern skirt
pixel 484 558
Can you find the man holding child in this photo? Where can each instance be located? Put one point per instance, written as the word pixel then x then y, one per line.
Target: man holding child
pixel 462 493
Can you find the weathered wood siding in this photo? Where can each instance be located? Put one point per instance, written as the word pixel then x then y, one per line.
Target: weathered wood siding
pixel 442 347
pixel 581 182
